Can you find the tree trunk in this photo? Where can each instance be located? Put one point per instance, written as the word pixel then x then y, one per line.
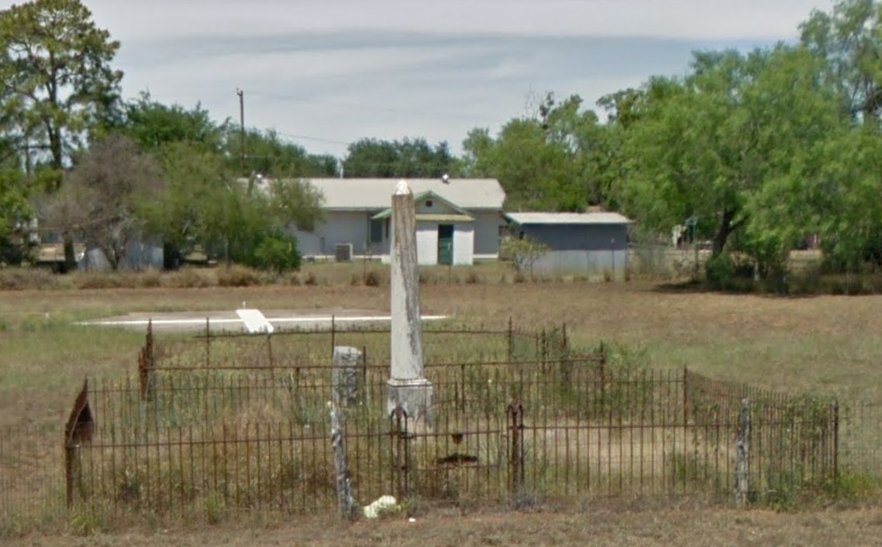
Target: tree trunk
pixel 726 228
pixel 70 257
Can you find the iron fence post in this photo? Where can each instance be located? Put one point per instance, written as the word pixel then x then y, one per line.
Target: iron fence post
pixel 400 452
pixel 510 340
pixel 836 439
pixel 515 414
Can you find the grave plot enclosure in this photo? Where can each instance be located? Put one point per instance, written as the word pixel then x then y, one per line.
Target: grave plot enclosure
pixel 236 422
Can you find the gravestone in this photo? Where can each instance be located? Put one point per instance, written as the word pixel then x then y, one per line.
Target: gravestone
pixel 407 385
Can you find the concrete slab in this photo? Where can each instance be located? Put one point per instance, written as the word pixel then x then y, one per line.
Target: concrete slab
pixel 255 322
pixel 228 321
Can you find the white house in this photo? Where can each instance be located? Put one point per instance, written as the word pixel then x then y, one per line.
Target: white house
pixel 458 220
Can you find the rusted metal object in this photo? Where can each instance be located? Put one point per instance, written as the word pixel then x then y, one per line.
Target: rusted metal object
pixel 146 365
pixel 594 430
pixel 77 432
pixel 400 456
pixel 515 415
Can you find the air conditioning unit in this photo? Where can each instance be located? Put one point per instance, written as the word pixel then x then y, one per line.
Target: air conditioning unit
pixel 343 252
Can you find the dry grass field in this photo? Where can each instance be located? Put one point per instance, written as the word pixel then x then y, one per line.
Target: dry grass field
pixel 601 525
pixel 823 344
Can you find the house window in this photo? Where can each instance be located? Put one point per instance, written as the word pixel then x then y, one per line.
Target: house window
pixel 428 203
pixel 376 231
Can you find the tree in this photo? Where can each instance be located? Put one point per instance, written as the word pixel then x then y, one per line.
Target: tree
pixel 535 173
pixel 294 201
pixel 712 144
pixel 558 159
pixel 193 176
pixel 205 204
pixel 267 154
pixel 58 80
pixel 15 213
pixel 850 39
pixel 99 201
pixel 405 158
pixel 154 125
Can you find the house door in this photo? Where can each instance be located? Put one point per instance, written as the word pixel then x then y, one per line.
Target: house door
pixel 445 244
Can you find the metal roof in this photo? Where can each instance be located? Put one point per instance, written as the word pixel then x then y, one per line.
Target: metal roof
pixel 361 194
pixel 567 218
pixel 458 214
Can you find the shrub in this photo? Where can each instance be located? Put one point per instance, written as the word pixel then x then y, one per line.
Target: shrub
pixel 277 252
pixel 523 252
pixel 720 271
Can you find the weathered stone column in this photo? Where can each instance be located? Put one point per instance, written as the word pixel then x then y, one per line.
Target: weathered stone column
pixel 407 386
pixel 344 376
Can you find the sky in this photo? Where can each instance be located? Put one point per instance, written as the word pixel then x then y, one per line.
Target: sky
pixel 325 73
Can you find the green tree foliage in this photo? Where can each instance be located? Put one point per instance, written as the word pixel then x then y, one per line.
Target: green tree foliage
pixel 720 143
pixel 15 212
pixel 277 252
pixel 268 155
pixel 154 125
pixel 405 158
pixel 295 202
pixel 58 82
pixel 205 204
pixel 850 39
pixel 552 161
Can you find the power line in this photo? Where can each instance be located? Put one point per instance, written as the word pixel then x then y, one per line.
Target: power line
pixel 310 138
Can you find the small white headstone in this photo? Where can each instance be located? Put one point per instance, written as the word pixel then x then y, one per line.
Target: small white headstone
pixel 255 322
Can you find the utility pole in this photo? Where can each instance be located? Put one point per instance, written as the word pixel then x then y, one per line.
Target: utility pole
pixel 241 95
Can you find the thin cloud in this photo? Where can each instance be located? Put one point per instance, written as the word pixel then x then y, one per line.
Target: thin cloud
pixel 349 69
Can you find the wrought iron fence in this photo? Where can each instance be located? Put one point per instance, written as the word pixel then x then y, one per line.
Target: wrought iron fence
pixel 530 418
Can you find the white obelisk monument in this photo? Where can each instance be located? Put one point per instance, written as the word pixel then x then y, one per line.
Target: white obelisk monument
pixel 407 386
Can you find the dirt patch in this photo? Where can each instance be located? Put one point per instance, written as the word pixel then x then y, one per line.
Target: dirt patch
pixel 600 525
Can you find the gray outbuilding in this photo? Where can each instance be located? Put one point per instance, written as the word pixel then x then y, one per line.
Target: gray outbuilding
pixel 593 244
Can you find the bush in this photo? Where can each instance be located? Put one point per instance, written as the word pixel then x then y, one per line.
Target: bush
pixel 277 252
pixel 720 271
pixel 523 252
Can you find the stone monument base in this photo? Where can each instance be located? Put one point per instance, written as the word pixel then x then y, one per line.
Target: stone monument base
pixel 414 396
